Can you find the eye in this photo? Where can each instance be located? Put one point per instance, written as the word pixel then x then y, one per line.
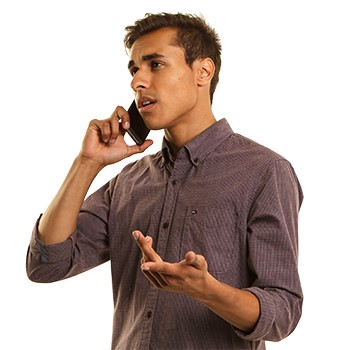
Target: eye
pixel 155 64
pixel 133 71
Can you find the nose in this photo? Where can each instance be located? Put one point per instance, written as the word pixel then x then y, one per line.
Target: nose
pixel 139 81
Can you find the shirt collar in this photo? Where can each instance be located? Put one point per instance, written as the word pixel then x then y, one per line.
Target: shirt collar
pixel 201 146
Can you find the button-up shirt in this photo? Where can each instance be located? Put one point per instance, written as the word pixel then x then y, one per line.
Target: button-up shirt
pixel 225 197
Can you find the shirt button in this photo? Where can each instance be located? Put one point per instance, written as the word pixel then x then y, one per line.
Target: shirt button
pixel 165 225
pixel 149 314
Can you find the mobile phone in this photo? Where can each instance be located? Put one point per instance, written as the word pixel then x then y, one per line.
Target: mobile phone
pixel 138 130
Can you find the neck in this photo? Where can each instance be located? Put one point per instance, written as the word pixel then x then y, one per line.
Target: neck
pixel 180 135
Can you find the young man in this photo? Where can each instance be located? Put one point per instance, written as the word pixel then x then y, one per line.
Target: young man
pixel 213 216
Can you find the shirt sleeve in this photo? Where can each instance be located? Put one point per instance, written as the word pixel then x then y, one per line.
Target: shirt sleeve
pixel 273 254
pixel 87 247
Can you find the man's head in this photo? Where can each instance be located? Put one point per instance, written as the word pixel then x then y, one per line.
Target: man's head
pixel 194 36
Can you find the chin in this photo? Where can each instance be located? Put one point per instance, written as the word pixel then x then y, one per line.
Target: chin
pixel 154 125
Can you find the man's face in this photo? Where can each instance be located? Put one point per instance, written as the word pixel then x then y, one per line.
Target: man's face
pixel 165 86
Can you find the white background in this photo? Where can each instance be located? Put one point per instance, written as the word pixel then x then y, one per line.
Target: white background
pixel 285 82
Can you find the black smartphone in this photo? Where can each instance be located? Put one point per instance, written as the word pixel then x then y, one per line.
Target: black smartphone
pixel 138 131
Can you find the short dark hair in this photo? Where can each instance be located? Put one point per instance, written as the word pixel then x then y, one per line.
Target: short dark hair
pixel 194 35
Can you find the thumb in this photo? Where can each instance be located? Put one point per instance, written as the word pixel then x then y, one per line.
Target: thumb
pixel 133 149
pixel 195 260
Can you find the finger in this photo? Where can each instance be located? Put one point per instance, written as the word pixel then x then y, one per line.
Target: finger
pixel 160 270
pixel 124 120
pixel 105 130
pixel 150 242
pixel 122 115
pixel 148 252
pixel 156 279
pixel 115 130
pixel 150 277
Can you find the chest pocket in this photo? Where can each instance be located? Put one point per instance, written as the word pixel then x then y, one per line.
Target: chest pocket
pixel 212 232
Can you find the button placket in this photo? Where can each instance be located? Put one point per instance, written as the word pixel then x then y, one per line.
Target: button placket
pixel 181 166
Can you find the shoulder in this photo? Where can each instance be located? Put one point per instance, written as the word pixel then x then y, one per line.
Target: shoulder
pixel 253 160
pixel 146 163
pixel 247 153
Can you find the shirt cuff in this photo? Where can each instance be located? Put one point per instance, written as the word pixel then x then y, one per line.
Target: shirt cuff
pixel 266 319
pixel 49 253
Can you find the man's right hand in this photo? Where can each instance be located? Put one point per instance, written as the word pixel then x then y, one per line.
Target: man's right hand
pixel 104 142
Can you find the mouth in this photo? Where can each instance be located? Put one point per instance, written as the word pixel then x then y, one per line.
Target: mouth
pixel 144 104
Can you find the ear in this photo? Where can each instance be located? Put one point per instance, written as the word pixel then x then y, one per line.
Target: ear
pixel 206 69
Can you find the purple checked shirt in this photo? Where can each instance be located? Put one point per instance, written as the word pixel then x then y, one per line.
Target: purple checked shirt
pixel 225 197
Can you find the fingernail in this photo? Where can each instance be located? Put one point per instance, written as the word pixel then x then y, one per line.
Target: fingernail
pixel 126 125
pixel 136 235
pixel 145 268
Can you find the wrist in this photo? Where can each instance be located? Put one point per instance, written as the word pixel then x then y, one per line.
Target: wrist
pixel 88 165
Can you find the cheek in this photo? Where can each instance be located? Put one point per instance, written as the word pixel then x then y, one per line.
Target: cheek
pixel 181 80
pixel 184 88
pixel 178 94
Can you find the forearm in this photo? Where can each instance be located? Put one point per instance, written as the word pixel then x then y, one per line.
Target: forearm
pixel 60 219
pixel 238 307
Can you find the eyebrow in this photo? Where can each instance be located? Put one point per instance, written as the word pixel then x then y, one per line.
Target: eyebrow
pixel 149 57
